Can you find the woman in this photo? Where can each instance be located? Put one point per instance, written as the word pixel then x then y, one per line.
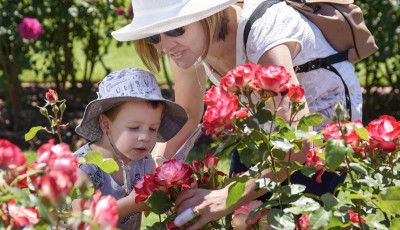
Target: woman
pixel 205 38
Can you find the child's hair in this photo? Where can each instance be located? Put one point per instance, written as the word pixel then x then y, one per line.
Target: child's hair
pixel 112 113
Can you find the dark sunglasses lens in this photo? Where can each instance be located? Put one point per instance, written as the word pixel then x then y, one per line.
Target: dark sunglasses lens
pixel 176 32
pixel 155 39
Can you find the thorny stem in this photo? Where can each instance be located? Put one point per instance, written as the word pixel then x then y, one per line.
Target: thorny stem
pixel 20 177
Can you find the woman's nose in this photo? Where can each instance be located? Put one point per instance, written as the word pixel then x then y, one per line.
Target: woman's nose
pixel 167 43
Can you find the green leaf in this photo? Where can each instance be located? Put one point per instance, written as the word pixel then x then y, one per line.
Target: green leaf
pixel 288 134
pixel 282 144
pixel 389 200
pixel 307 171
pixel 329 201
pixel 94 157
pixel 280 220
pixel 157 226
pixel 280 122
pixel 235 192
pixel 362 133
pixel 32 132
pixel 303 204
pixel 358 168
pixel 246 156
pixel 266 183
pixel 335 223
pixel 109 166
pixel 262 207
pixel 320 218
pixel 335 151
pixel 395 224
pixel 159 202
pixel 279 154
pixel 293 189
pixel 264 116
pixel 311 119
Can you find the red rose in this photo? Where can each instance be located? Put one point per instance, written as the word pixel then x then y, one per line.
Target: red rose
pixel 197 166
pixel 173 173
pixel 354 217
pixel 316 162
pixel 204 179
pixel 119 11
pixel 351 137
pixel 21 217
pixel 51 96
pixel 11 156
pixel 212 95
pixel 210 160
pixel 295 93
pixel 240 77
pixel 272 79
pixel 145 187
pixel 30 28
pixel 383 133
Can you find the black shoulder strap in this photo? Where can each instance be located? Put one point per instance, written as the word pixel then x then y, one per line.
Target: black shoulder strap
pixel 258 12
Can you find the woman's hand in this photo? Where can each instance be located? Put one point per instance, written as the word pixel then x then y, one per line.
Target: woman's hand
pixel 208 204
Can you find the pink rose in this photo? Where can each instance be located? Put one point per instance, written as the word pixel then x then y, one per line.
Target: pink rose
pixel 272 79
pixel 383 133
pixel 60 170
pixel 210 160
pixel 145 187
pixel 240 77
pixel 295 93
pixel 11 156
pixel 119 11
pixel 174 172
pixel 351 137
pixel 305 223
pixel 213 95
pixel 51 96
pixel 354 217
pixel 30 28
pixel 316 162
pixel 21 217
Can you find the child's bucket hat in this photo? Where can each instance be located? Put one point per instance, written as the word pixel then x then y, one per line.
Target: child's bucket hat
pixel 152 17
pixel 130 85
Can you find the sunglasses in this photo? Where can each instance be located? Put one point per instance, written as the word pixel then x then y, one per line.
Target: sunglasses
pixel 155 39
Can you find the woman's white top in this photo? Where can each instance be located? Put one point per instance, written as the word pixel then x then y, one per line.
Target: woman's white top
pixel 281 24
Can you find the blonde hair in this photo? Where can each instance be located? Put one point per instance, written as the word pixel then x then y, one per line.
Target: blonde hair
pixel 216 28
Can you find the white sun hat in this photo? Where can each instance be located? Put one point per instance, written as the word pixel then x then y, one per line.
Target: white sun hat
pixel 130 84
pixel 157 16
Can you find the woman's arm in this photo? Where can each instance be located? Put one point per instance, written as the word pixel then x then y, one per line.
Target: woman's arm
pixel 211 204
pixel 190 86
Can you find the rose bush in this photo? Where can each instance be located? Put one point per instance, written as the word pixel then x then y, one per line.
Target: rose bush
pixel 39 194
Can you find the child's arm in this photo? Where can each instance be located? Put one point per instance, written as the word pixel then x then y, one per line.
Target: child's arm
pixel 127 206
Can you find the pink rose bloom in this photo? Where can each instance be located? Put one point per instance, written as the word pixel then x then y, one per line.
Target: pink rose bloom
pixel 59 173
pixel 295 93
pixel 316 162
pixel 20 217
pixel 51 96
pixel 210 160
pixel 174 172
pixel 351 137
pixel 221 112
pixel 145 187
pixel 272 79
pixel 11 157
pixel 305 223
pixel 383 133
pixel 119 11
pixel 240 77
pixel 30 28
pixel 239 217
pixel 354 217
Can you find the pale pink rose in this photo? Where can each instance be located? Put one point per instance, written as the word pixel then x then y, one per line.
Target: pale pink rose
pixel 197 166
pixel 30 28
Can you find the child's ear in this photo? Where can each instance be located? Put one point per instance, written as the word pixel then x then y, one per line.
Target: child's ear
pixel 104 123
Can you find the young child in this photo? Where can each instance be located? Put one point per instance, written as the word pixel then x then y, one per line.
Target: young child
pixel 124 123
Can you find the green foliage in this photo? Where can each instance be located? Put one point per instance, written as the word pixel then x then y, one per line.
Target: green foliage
pixel 107 165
